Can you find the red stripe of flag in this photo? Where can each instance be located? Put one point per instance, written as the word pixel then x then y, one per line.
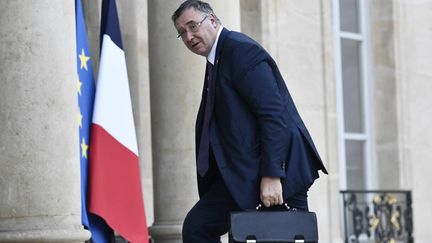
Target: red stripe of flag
pixel 115 186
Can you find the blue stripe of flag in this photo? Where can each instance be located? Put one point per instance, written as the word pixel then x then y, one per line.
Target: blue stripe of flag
pixel 110 26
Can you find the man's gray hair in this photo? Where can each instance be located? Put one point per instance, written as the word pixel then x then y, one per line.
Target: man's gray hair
pixel 200 6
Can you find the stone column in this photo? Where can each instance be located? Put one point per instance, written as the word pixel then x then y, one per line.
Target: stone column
pixel 251 15
pixel 176 80
pixel 413 55
pixel 385 123
pixel 39 153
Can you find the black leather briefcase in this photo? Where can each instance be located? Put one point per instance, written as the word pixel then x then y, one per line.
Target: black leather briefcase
pixel 273 226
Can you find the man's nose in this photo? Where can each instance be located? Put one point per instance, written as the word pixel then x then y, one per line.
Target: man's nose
pixel 188 36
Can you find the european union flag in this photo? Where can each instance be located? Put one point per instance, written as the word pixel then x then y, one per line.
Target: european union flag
pixel 85 88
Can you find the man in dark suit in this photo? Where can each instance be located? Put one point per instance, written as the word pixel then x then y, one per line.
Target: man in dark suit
pixel 251 144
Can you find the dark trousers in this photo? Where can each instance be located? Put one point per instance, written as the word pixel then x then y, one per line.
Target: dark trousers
pixel 209 218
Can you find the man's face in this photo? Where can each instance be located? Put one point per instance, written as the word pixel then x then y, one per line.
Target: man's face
pixel 199 42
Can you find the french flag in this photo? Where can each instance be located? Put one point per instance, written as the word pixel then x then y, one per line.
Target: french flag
pixel 115 192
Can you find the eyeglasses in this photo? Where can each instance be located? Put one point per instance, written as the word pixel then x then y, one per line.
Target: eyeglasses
pixel 192 28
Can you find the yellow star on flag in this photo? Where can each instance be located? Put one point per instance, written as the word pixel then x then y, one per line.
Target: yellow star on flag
pixel 80 117
pixel 84 148
pixel 84 59
pixel 79 84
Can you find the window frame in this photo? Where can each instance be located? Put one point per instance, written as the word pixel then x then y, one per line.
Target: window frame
pixel 366 95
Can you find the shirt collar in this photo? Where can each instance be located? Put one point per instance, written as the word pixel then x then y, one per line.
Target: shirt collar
pixel 212 55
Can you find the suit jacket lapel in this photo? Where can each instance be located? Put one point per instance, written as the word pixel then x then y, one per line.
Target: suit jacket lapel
pixel 200 116
pixel 219 49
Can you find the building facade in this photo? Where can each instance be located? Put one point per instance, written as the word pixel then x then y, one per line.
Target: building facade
pixel 359 72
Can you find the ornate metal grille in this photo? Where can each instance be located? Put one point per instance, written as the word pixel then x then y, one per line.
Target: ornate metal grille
pixel 377 216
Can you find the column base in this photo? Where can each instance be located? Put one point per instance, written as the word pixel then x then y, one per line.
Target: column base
pixel 166 232
pixel 46 235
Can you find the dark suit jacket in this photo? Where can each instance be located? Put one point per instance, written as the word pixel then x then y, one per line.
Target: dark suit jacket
pixel 255 129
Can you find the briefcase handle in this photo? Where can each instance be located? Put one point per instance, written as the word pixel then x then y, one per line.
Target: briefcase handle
pixel 285 204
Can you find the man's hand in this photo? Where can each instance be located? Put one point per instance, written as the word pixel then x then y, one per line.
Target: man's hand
pixel 271 191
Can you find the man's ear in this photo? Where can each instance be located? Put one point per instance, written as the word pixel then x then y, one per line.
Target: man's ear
pixel 213 19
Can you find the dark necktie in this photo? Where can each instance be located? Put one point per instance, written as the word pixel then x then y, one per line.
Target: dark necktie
pixel 203 152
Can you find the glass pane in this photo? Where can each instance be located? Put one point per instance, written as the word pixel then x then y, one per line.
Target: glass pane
pixel 349 15
pixel 352 86
pixel 355 165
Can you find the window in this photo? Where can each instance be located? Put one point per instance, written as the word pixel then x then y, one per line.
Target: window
pixel 351 47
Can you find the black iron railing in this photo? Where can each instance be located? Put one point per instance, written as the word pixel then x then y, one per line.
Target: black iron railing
pixel 377 216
